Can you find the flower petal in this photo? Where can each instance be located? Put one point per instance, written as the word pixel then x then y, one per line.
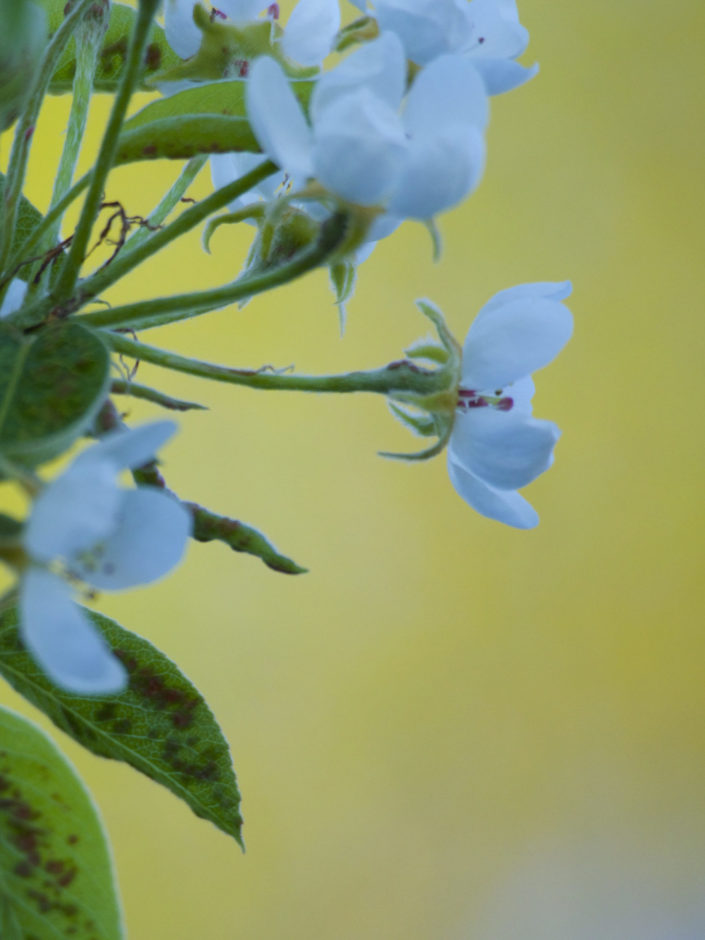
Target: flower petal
pixel 438 172
pixel 227 167
pixel 521 392
pixel 14 297
pixel 448 92
pixel 379 66
pixel 505 506
pixel 63 640
pixel 130 448
pixel 502 75
pixel 427 28
pixel 182 34
pixel 495 31
pixel 504 450
pixel 310 31
pixel 536 290
pixel 277 119
pixel 513 339
pixel 359 148
pixel 148 540
pixel 74 511
pixel 241 11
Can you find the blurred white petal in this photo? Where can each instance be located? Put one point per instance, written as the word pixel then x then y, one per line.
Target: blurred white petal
pixel 148 540
pixel 63 640
pixel 277 119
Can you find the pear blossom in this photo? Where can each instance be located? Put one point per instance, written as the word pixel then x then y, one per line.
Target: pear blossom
pixel 487 31
pixel 366 143
pixel 307 38
pixel 496 446
pixel 85 526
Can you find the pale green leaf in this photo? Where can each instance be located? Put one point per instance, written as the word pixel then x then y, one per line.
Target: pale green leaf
pixel 56 876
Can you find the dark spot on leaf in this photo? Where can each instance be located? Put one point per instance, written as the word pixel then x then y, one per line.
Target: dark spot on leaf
pixel 153 56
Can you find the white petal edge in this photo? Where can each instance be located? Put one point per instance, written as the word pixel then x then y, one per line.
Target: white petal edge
pixel 439 171
pixel 63 640
pixel 73 512
pixel 503 75
pixel 379 66
pixel 277 119
pixel 182 34
pixel 447 92
pixel 131 447
pixel 534 290
pixel 310 31
pixel 359 148
pixel 513 340
pixel 241 11
pixel 505 506
pixel 148 540
pixel 427 28
pixel 14 297
pixel 504 450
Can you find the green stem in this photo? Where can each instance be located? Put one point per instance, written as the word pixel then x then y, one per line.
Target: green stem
pixel 21 145
pixel 396 377
pixel 108 149
pixel 150 313
pixel 122 387
pixel 89 40
pixel 99 282
pixel 167 204
pixel 38 233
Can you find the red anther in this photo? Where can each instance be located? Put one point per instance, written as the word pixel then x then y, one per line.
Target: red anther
pixel 466 393
pixel 505 404
pixel 273 11
pixel 244 68
pixel 28 133
pixel 217 13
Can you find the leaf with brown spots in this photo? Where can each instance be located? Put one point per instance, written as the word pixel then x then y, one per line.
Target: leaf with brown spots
pixel 56 876
pixel 52 384
pixel 209 118
pixel 160 725
pixel 111 61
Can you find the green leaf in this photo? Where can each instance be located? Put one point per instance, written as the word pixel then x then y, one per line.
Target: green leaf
pixel 56 877
pixel 52 384
pixel 160 725
pixel 159 54
pixel 28 218
pixel 209 118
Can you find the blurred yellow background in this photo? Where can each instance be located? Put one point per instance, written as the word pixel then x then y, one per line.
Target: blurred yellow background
pixel 449 729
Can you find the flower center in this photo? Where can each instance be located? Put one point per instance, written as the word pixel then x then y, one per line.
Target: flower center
pixel 468 398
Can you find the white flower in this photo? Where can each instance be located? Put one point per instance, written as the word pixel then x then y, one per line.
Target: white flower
pixel 488 31
pixel 84 525
pixel 307 37
pixel 496 447
pixel 362 145
pixel 14 297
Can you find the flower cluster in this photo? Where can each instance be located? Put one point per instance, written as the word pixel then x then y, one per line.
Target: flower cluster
pixel 397 126
pixel 391 128
pixel 394 131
